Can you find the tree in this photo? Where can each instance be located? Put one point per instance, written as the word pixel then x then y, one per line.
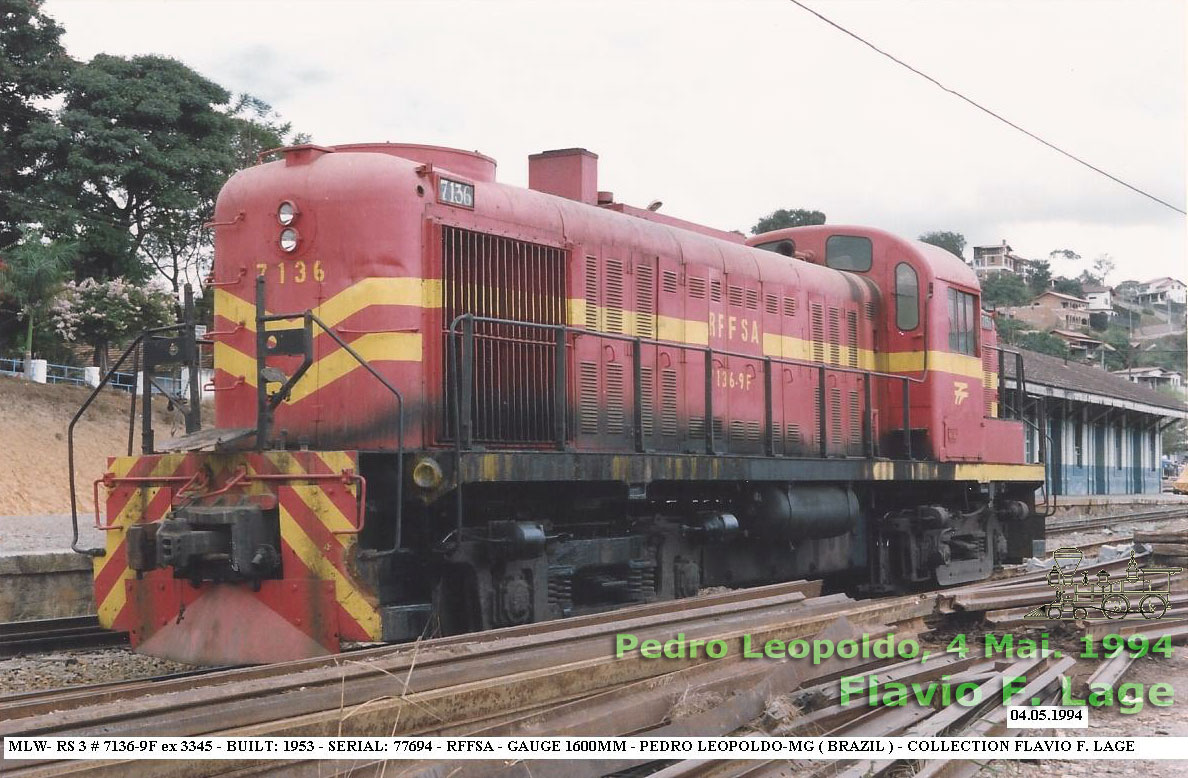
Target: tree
pixel 1004 289
pixel 1044 343
pixel 181 247
pixel 784 218
pixel 1010 330
pixel 1128 290
pixel 1103 266
pixel 1068 254
pixel 1040 276
pixel 1066 285
pixel 33 67
pixel 32 273
pixel 100 313
pixel 952 242
pixel 139 149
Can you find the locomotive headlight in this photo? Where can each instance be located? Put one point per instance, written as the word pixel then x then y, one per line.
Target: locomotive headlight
pixel 288 240
pixel 286 213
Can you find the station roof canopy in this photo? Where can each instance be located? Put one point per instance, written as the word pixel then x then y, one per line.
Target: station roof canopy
pixel 1072 380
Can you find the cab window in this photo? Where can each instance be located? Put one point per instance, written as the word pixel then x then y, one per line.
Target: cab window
pixel 963 322
pixel 848 252
pixel 907 297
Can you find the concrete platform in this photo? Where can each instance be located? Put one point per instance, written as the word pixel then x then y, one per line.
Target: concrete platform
pixel 1102 504
pixel 40 577
pixel 45 586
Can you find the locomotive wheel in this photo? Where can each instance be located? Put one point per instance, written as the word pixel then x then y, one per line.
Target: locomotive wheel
pixel 1080 613
pixel 1115 606
pixel 1054 612
pixel 1152 607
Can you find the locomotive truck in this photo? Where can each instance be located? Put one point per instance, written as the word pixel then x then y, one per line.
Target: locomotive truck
pixel 445 404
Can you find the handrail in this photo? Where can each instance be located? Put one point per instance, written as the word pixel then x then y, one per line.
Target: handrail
pixel 310 317
pixel 97 552
pixel 463 325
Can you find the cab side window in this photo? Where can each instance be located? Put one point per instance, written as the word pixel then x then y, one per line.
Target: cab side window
pixel 963 322
pixel 849 252
pixel 907 297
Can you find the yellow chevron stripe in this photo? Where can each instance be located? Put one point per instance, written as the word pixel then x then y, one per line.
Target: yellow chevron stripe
pixel 353 601
pixel 131 514
pixel 374 347
pixel 422 293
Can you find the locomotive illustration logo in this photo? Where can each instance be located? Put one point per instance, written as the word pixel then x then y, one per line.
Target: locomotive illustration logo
pixel 1144 591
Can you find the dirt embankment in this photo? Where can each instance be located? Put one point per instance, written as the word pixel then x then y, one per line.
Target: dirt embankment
pixel 33 421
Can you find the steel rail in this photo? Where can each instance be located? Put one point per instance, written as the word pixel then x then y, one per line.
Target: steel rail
pixel 20 637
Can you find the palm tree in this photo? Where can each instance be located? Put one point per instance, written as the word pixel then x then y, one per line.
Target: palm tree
pixel 31 275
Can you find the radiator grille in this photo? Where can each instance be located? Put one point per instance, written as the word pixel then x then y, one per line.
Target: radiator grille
pixel 513 368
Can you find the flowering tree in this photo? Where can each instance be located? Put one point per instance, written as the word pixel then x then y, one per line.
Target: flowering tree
pixel 99 313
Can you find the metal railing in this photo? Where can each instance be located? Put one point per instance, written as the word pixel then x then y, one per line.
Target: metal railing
pixel 76 376
pixel 462 337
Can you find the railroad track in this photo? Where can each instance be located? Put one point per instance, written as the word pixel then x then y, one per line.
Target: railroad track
pixel 562 678
pixel 20 637
pixel 1085 523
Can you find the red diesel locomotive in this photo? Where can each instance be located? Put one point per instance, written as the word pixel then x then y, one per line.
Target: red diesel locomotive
pixel 446 404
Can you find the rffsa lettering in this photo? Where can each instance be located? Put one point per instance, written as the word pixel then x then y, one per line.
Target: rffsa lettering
pixel 734 328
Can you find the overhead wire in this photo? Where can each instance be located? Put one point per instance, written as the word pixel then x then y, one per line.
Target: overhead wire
pixel 983 108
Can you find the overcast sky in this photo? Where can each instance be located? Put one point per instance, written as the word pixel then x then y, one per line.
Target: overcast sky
pixel 729 110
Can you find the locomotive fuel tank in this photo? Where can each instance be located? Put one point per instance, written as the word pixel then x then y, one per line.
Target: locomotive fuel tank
pixel 795 512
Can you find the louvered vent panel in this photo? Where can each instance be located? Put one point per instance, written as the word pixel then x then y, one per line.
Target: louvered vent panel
pixel 696 288
pixel 989 368
pixel 735 296
pixel 793 438
pixel 668 281
pixel 752 431
pixel 855 421
pixel 789 306
pixel 588 398
pixel 614 296
pixel 834 337
pixel 852 338
pixel 647 397
pixel 752 299
pixel 719 427
pixel 835 416
pixel 645 301
pixel 668 402
pixel 871 309
pixel 816 317
pixel 696 427
pixel 715 291
pixel 772 304
pixel 614 398
pixel 591 293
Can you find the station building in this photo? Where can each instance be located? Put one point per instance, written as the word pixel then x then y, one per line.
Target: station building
pixel 1101 434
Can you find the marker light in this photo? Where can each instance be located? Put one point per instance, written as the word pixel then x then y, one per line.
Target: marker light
pixel 286 213
pixel 288 240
